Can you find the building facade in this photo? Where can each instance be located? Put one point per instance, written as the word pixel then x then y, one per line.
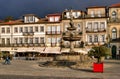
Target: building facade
pixel 99 25
pixel 96 25
pixel 114 29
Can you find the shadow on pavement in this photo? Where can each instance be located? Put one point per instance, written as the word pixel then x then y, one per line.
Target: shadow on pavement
pixel 85 70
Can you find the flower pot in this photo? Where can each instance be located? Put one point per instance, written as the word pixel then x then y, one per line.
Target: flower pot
pixel 98 67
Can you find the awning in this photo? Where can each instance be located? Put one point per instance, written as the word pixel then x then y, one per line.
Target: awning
pixel 80 51
pixel 65 50
pixel 53 50
pixel 36 49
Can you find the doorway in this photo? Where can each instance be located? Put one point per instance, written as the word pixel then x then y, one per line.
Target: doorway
pixel 114 52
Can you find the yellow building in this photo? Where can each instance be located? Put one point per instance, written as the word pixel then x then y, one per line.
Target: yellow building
pixel 96 25
pixel 114 29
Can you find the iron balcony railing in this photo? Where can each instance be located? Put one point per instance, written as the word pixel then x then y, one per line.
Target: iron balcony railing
pixel 115 40
pixel 95 16
pixel 66 18
pixel 23 45
pixel 53 32
pixel 95 30
pixel 53 44
pixel 28 33
pixel 114 20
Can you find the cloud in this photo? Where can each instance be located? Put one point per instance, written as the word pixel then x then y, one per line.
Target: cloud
pixel 17 8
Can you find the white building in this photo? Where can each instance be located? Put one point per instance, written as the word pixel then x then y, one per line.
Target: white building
pixel 23 35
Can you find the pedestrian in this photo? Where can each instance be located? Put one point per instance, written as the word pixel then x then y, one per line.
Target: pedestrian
pixel 7 60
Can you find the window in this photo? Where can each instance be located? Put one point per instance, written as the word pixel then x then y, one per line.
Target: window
pixel 3 40
pixel 114 14
pixel 36 40
pixel 58 40
pixel 51 19
pixel 89 26
pixel 36 28
pixel 49 29
pixel 8 30
pixel 49 40
pixel 96 26
pixel 53 29
pixel 53 40
pixel 102 25
pixel 41 28
pixel 58 29
pixel 68 14
pixel 95 38
pixel 15 30
pixel 26 40
pixel 21 29
pixel 31 40
pixel 78 14
pixel 92 13
pixel 114 33
pixel 27 19
pixel 41 39
pixel 56 19
pixel 99 13
pixel 20 40
pixel 31 18
pixel 90 39
pixel 8 41
pixel 26 29
pixel 15 40
pixel 31 29
pixel 3 30
pixel 103 38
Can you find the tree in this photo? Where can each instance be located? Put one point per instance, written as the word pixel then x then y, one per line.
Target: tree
pixel 99 52
pixel 8 18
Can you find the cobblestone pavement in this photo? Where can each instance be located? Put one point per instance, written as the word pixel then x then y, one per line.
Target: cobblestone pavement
pixel 38 77
pixel 21 69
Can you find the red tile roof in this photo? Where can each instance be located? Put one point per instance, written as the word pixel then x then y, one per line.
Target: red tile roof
pixel 12 22
pixel 72 10
pixel 115 5
pixel 96 7
pixel 55 14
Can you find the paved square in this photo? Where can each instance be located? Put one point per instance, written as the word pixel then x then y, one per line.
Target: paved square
pixel 21 69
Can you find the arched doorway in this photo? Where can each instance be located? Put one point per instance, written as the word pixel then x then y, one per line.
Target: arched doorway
pixel 114 52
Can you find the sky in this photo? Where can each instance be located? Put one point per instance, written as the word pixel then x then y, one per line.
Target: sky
pixel 41 8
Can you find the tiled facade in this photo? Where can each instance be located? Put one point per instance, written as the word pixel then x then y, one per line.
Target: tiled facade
pixel 97 26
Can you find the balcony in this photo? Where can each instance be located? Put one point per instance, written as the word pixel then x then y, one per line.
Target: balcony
pixel 31 44
pixel 53 44
pixel 95 43
pixel 115 40
pixel 5 45
pixel 116 20
pixel 95 30
pixel 28 33
pixel 53 32
pixel 42 44
pixel 96 16
pixel 23 45
pixel 66 18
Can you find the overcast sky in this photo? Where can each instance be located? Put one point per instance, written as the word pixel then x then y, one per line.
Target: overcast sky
pixel 17 8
